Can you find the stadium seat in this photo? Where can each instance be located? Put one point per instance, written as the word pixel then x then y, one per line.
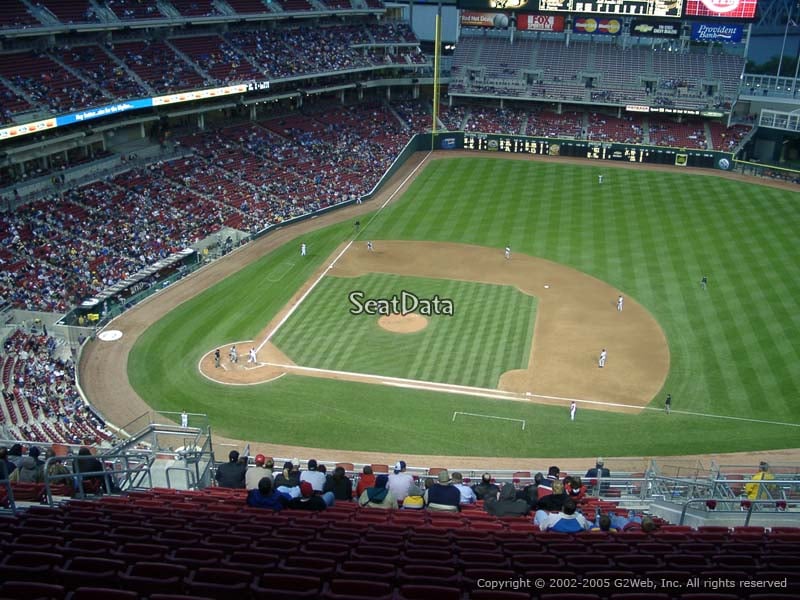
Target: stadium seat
pixel 255 562
pixel 311 566
pixel 428 592
pixel 366 570
pixel 88 571
pixel 640 596
pixel 428 575
pixel 194 558
pixel 273 586
pixel 31 590
pixel 708 596
pixel 498 595
pixel 219 583
pixel 350 589
pixel 100 593
pixel 151 577
pixel 25 565
pixel 86 547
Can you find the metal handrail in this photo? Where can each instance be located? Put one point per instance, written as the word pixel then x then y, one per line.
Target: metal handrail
pixel 740 504
pixel 191 479
pixel 111 479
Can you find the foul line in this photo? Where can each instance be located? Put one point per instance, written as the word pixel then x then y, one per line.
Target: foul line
pixel 465 390
pixel 469 414
pixel 297 304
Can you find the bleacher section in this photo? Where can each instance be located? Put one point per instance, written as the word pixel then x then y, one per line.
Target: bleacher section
pixel 134 9
pixel 40 396
pixel 218 59
pixel 245 177
pixel 48 83
pixel 14 14
pixel 95 65
pixel 70 11
pixel 599 72
pixel 105 74
pixel 147 60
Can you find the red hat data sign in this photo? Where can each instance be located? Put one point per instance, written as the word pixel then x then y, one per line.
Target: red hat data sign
pixel 738 10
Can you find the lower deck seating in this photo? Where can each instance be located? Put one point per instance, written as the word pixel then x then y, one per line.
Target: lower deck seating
pixel 209 543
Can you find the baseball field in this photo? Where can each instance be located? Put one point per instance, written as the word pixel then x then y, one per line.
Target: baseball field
pixel 495 377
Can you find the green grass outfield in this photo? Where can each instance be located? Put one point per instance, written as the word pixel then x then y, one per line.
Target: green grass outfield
pixel 734 348
pixel 489 333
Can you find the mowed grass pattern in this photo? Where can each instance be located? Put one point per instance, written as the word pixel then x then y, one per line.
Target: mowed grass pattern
pixel 489 333
pixel 734 348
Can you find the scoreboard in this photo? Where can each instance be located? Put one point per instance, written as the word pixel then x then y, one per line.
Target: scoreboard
pixel 633 153
pixel 731 10
pixel 621 8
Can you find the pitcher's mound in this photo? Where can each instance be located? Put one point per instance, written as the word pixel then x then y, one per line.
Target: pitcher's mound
pixel 410 323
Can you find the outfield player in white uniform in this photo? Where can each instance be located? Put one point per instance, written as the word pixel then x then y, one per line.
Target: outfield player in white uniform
pixel 302 249
pixel 573 408
pixel 599 179
pixel 602 360
pixel 620 301
pixel 508 252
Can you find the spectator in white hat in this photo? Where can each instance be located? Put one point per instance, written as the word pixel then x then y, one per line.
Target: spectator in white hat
pixel 400 482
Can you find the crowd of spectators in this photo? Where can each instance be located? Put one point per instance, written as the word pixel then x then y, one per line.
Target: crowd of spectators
pixel 68 246
pixel 41 399
pixel 47 84
pixel 107 73
pixel 553 502
pixel 134 9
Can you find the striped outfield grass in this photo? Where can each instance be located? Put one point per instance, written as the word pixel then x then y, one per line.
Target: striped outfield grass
pixel 490 331
pixel 734 348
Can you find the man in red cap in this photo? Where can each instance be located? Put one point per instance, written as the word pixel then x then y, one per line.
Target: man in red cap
pixel 308 500
pixel 257 473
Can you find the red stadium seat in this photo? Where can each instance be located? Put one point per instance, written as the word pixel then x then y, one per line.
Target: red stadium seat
pixel 270 586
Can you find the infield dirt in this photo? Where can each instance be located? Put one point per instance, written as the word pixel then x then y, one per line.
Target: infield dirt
pixel 103 368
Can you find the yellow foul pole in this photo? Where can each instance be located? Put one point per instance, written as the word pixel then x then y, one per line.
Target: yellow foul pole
pixel 436 64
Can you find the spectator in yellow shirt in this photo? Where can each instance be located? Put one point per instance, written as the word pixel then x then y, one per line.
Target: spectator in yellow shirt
pixel 757 490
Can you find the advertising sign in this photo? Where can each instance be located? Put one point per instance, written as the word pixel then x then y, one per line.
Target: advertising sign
pixel 471 18
pixel 529 22
pixel 597 26
pixel 717 32
pixel 654 28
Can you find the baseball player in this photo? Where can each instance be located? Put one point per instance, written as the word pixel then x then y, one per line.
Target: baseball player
pixel 370 247
pixel 508 252
pixel 704 282
pixel 573 408
pixel 620 302
pixel 216 358
pixel 302 249
pixel 668 404
pixel 251 356
pixel 184 419
pixel 601 362
pixel 233 355
pixel 599 179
